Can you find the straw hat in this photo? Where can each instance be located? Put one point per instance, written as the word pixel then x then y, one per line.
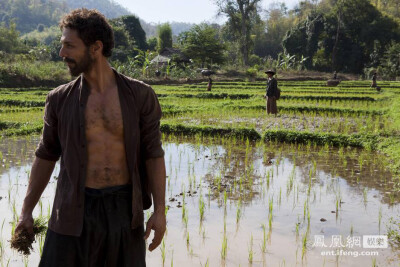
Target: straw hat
pixel 270 71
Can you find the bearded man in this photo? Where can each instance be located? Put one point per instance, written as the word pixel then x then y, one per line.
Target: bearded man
pixel 106 129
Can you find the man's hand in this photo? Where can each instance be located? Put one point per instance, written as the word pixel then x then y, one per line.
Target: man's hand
pixel 25 223
pixel 157 222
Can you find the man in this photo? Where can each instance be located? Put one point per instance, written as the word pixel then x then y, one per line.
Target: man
pixel 209 85
pixel 106 128
pixel 272 91
pixel 373 83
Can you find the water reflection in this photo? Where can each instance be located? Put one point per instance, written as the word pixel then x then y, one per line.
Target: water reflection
pixel 224 189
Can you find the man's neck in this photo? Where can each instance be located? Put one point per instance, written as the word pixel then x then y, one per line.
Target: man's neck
pixel 100 77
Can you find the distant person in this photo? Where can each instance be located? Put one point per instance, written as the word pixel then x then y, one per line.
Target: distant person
pixel 373 84
pixel 335 75
pixel 272 91
pixel 209 84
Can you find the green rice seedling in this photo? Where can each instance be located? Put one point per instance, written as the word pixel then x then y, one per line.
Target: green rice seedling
pixel 264 241
pixel 9 191
pixel 380 218
pixel 185 219
pixel 162 248
pixel 304 246
pixel 365 196
pixel 337 205
pixel 207 263
pixel 238 211
pixel 225 199
pixel 251 249
pixel 270 221
pixel 305 207
pixel 291 181
pixel 271 205
pixel 187 239
pixel 351 230
pixel 14 210
pixel 41 244
pixel 201 208
pixel 148 214
pixel 224 248
pixel 40 208
pixel 48 211
pixel 374 262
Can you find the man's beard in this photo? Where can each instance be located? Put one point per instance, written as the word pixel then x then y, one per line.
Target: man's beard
pixel 84 65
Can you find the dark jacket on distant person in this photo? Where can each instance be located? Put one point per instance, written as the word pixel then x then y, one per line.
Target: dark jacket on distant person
pixel 272 87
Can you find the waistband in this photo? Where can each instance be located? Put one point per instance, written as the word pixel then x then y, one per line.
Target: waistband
pixel 127 188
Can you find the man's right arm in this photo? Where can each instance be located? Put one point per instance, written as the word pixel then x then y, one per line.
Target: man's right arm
pixel 39 178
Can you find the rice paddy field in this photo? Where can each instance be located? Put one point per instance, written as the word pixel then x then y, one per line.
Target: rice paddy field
pixel 309 187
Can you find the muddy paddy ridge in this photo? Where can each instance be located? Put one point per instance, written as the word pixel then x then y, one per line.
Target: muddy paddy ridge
pixel 238 203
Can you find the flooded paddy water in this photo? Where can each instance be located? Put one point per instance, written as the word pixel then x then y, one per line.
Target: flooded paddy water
pixel 235 203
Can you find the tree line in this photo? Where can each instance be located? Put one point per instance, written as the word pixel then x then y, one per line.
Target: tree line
pixel 355 36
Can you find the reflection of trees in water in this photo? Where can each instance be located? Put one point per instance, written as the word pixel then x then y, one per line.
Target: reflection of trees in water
pixel 360 168
pixel 236 173
pixel 17 151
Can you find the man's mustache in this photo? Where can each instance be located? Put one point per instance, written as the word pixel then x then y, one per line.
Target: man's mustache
pixel 69 60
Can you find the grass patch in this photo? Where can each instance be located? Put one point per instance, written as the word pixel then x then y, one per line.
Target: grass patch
pixel 354 140
pixel 179 129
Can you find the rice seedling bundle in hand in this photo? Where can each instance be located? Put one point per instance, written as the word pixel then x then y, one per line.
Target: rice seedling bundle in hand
pixel 22 240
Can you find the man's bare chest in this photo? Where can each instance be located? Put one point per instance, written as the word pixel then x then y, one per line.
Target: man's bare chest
pixel 103 113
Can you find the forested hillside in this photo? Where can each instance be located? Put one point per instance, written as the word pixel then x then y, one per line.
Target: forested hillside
pixel 109 8
pixel 29 14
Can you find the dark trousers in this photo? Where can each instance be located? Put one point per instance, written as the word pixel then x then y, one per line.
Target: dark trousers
pixel 107 238
pixel 271 105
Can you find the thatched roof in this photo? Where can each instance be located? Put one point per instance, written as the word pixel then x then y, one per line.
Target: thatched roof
pixel 170 53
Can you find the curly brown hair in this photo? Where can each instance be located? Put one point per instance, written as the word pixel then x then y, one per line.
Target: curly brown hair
pixel 91 26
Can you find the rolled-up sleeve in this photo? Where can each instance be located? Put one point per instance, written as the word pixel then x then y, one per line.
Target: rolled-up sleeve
pixel 49 147
pixel 150 134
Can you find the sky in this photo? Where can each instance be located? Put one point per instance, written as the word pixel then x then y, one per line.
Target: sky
pixel 192 11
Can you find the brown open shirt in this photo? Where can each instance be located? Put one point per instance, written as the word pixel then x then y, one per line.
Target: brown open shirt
pixel 64 135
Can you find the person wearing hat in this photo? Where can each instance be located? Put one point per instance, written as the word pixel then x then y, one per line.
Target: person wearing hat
pixel 373 84
pixel 272 90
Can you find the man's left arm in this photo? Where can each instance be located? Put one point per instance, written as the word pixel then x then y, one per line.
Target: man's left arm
pixel 156 176
pixel 153 154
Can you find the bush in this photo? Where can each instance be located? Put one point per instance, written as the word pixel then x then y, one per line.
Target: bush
pixel 254 60
pixel 251 72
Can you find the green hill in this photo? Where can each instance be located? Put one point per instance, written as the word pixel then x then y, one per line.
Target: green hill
pixel 30 15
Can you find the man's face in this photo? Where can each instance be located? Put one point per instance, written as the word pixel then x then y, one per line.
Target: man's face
pixel 74 52
pixel 270 75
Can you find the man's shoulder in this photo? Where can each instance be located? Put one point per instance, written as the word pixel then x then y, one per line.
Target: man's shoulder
pixel 134 84
pixel 64 88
